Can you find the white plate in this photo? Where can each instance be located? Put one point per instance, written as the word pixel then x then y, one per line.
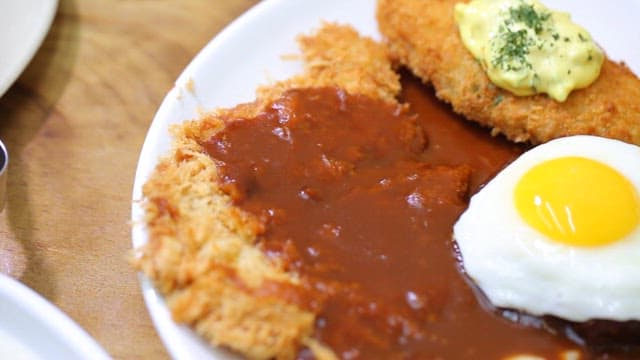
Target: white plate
pixel 32 328
pixel 23 26
pixel 248 53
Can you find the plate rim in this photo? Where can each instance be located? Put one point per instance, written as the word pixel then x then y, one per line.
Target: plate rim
pixel 35 306
pixel 160 316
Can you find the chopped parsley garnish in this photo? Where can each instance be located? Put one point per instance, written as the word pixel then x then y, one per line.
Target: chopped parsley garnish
pixel 526 14
pixel 512 55
pixel 497 100
pixel 513 44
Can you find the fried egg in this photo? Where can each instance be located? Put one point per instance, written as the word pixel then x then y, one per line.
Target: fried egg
pixel 557 231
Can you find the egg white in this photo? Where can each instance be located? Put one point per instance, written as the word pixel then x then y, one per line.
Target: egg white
pixel 517 267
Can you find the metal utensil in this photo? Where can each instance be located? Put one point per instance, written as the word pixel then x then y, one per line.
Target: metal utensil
pixel 4 164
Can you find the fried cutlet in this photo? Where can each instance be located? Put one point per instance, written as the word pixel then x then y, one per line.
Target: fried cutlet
pixel 422 35
pixel 200 252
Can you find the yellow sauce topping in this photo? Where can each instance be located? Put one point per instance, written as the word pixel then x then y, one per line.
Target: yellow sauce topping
pixel 528 49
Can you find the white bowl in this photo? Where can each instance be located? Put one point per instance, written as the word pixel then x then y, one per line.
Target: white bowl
pixel 23 26
pixel 32 328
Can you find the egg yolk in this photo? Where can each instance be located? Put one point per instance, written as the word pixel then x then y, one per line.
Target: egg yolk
pixel 578 201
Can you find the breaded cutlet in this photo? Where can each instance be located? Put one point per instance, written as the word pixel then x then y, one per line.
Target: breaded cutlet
pixel 422 35
pixel 200 252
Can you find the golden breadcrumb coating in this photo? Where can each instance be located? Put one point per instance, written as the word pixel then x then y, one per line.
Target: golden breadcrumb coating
pixel 422 35
pixel 200 252
pixel 338 56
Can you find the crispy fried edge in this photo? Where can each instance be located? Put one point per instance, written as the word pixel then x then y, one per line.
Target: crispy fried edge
pixel 422 35
pixel 200 253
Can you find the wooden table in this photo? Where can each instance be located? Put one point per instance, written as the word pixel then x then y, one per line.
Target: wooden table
pixel 74 124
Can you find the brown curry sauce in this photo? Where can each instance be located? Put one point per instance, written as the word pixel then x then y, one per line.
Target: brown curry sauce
pixel 359 197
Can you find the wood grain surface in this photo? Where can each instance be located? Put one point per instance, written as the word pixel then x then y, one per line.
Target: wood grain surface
pixel 74 124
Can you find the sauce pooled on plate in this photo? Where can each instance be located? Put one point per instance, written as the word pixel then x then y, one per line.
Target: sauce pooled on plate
pixel 359 197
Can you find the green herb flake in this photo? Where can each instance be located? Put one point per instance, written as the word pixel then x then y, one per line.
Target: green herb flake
pixel 498 99
pixel 527 14
pixel 582 38
pixel 513 45
pixel 513 50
